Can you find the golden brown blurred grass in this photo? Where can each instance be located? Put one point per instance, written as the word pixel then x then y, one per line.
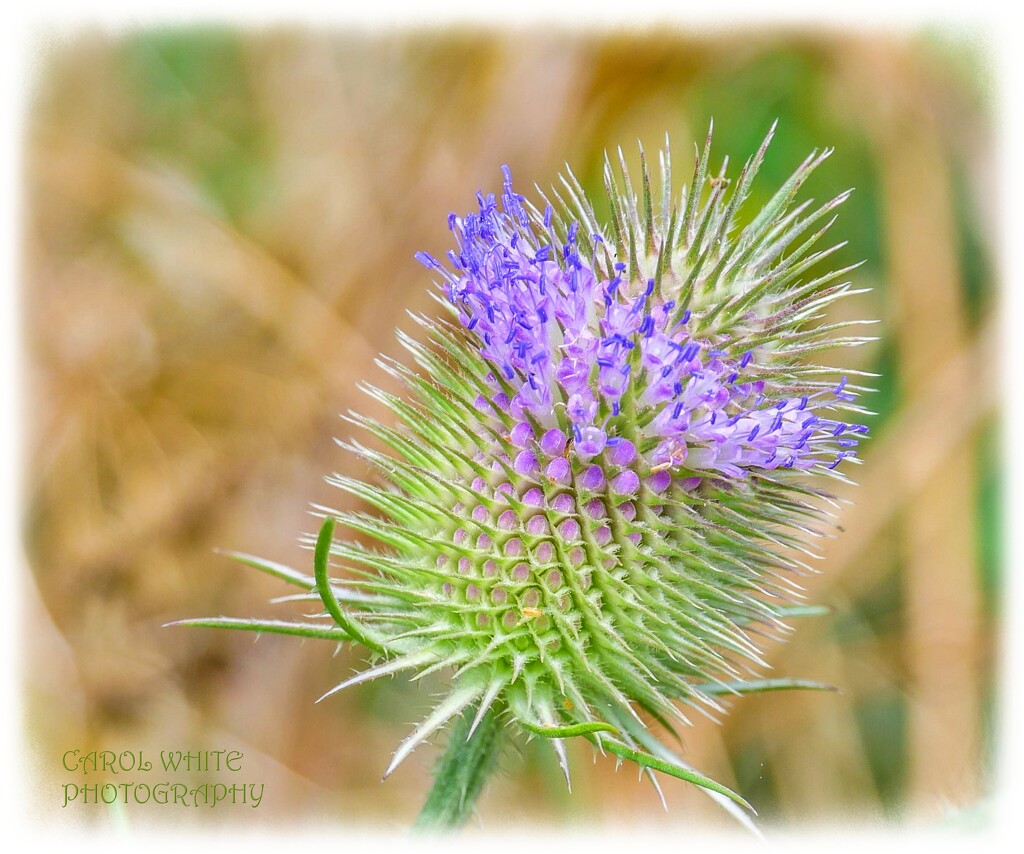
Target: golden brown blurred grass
pixel 218 241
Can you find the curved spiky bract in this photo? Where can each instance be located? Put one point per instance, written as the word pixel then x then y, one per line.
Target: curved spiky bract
pixel 597 482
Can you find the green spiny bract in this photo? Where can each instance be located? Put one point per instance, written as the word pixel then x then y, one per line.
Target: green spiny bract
pixel 601 473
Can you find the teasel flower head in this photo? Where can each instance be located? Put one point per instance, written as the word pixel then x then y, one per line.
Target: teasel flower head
pixel 611 450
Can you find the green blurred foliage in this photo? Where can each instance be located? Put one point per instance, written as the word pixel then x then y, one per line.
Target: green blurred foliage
pixel 190 92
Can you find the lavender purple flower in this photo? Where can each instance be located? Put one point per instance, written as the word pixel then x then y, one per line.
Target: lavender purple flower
pixel 576 342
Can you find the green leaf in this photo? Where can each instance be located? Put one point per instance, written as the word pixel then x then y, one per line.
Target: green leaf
pixel 687 774
pixel 761 686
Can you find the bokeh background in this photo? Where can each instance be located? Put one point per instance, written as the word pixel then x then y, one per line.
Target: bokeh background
pixel 218 235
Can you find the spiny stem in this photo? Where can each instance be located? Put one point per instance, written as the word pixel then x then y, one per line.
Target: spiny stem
pixel 461 773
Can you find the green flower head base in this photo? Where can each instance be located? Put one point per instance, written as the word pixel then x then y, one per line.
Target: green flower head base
pixel 605 464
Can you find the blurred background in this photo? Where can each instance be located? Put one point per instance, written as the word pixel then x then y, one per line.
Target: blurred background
pixel 218 237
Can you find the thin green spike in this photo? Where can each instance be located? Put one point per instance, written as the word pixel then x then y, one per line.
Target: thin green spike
pixel 276 627
pixel 700 173
pixel 648 204
pixel 761 686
